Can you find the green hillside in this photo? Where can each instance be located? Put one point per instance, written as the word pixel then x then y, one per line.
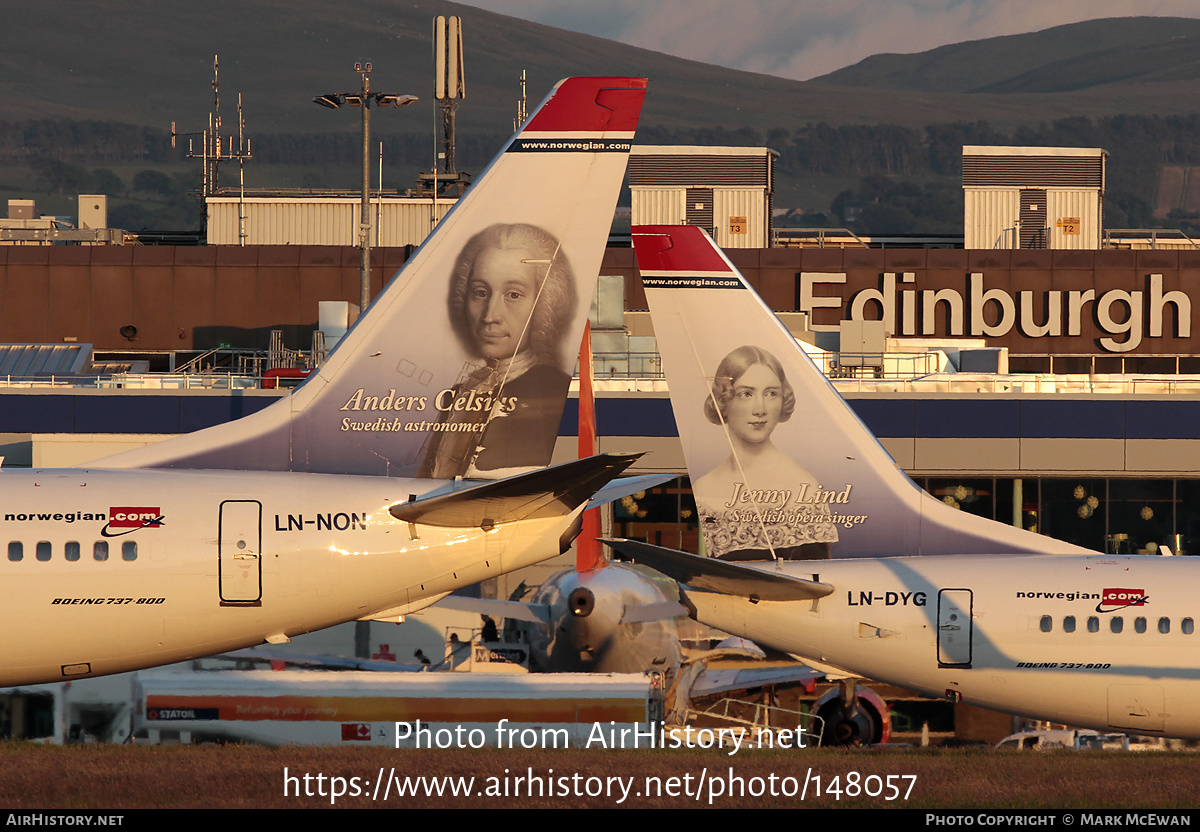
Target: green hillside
pixel 150 64
pixel 89 90
pixel 1078 56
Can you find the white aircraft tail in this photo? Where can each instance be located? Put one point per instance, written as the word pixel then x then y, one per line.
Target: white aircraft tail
pixel 460 367
pixel 781 467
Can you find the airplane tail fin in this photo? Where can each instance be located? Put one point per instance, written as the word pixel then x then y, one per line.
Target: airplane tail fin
pixel 460 367
pixel 781 466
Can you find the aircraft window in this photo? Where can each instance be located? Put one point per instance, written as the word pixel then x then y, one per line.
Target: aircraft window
pixel 1069 624
pixel 1116 624
pixel 1164 625
pixel 16 550
pixel 129 550
pixel 1093 624
pixel 1047 623
pixel 1139 624
pixel 100 550
pixel 1187 626
pixel 43 550
pixel 71 550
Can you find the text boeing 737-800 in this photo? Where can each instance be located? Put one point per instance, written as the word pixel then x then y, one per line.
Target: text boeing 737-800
pixel 787 476
pixel 347 500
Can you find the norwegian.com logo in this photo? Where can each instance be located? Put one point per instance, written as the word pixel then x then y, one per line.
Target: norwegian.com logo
pixel 1113 599
pixel 129 519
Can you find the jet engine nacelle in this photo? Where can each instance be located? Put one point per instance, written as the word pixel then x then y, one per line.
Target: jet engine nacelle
pixel 582 602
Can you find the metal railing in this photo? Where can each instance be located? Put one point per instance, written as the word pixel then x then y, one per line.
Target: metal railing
pixel 626 365
pixel 764 724
pixel 140 381
pixel 224 358
pixel 280 357
pixel 1027 384
pixel 888 372
pixel 816 238
pixel 1148 237
pixel 885 365
pixel 194 365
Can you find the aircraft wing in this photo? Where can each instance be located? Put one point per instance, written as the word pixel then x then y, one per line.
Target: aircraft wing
pixel 535 613
pixel 641 613
pixel 313 661
pixel 549 492
pixel 625 486
pixel 720 576
pixel 714 680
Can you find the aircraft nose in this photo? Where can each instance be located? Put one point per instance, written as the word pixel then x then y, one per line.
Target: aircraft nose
pixel 582 602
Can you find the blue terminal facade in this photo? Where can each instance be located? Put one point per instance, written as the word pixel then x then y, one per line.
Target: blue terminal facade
pixel 1109 471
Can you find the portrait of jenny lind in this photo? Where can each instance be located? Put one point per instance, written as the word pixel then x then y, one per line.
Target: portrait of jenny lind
pixel 759 493
pixel 511 303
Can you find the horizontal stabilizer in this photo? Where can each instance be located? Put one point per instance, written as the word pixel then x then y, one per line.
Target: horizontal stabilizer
pixel 663 610
pixel 549 492
pixel 742 648
pixel 395 615
pixel 712 681
pixel 720 576
pixel 259 658
pixel 534 613
pixel 626 486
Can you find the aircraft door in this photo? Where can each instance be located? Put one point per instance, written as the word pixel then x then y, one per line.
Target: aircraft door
pixel 954 628
pixel 239 545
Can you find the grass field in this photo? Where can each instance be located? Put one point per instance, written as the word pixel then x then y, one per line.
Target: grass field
pixel 130 777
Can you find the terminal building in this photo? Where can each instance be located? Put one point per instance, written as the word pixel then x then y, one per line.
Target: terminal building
pixel 1045 379
pixel 1043 376
pixel 1019 397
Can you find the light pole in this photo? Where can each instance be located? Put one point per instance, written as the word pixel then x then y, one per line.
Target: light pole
pixel 363 99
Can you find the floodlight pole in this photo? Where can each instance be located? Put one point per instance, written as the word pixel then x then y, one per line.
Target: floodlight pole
pixel 363 99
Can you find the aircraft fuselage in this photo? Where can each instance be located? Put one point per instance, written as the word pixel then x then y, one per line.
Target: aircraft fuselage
pixel 1101 642
pixel 109 571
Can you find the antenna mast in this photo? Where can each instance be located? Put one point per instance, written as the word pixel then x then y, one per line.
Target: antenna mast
pixel 211 152
pixel 449 89
pixel 522 113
